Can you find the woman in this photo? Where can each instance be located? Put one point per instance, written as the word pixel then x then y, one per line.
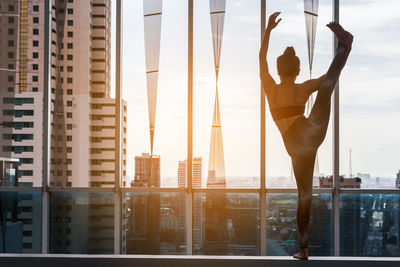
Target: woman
pixel 302 136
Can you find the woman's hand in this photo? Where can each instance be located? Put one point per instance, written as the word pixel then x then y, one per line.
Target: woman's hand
pixel 272 22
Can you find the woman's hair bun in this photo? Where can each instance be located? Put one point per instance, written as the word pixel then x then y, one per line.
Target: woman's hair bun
pixel 289 51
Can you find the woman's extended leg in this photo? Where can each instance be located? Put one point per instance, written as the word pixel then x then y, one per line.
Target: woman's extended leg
pixel 320 113
pixel 303 167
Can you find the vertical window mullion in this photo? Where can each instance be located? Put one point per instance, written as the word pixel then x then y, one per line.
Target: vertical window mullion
pixel 46 131
pixel 262 195
pixel 189 195
pixel 118 132
pixel 336 189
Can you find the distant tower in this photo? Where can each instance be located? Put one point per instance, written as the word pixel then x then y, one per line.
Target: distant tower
pixel 350 167
pixel 147 171
pixel 216 164
pixel 197 211
pixel 398 180
pixel 196 176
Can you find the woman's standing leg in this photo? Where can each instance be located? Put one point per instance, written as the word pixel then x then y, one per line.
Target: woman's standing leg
pixel 303 167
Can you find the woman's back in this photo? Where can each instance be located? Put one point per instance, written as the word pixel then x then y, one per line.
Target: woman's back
pixel 287 103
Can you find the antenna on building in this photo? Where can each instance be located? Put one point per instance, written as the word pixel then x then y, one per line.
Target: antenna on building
pixel 350 167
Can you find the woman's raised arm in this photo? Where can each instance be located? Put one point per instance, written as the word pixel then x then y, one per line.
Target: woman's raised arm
pixel 266 78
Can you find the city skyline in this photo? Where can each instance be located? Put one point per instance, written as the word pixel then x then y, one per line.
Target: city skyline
pixel 239 86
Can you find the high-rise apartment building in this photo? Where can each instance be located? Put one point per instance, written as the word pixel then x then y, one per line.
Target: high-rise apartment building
pixel 147 171
pixel 143 210
pixel 197 203
pixel 21 86
pixel 82 110
pixel 398 180
pixel 196 173
pixel 83 132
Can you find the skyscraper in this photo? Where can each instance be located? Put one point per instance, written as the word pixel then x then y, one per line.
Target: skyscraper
pixel 147 171
pixel 197 211
pixel 21 79
pixel 143 211
pixel 83 124
pixel 82 110
pixel 398 180
pixel 196 175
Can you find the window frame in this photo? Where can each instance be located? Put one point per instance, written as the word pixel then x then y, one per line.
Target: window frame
pixel 189 191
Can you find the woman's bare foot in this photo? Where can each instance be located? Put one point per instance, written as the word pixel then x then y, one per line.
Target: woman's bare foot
pixel 302 254
pixel 343 36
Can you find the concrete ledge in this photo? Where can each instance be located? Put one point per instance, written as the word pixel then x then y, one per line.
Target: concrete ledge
pixel 60 260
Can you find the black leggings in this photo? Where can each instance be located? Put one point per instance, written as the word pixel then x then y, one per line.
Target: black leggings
pixel 303 139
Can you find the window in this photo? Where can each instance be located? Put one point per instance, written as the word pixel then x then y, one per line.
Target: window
pixel 69 149
pixel 35 43
pixel 10 43
pixel 10 66
pixel 36 8
pixel 70 34
pixel 69 137
pixel 34 89
pixel 35 78
pixel 10 20
pixel 35 66
pixel 10 31
pixel 70 45
pixel 10 54
pixel 70 1
pixel 70 22
pixel 10 78
pixel 70 57
pixel 69 91
pixel 60 57
pixel 10 89
pixel 69 115
pixel 70 11
pixel 35 31
pixel 26 160
pixel 35 55
pixel 69 80
pixel 35 20
pixel 11 8
pixel 69 173
pixel 69 103
pixel 18 101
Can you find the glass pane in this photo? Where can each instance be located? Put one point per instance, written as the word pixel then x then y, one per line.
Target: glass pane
pixel 282 227
pixel 226 224
pixel 20 222
pixel 369 225
pixel 369 90
pixel 83 104
pixel 155 88
pixel 21 94
pixel 155 223
pixel 82 223
pixel 228 142
pixel 292 31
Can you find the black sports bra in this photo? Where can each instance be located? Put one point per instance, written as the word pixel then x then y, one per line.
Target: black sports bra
pixel 280 112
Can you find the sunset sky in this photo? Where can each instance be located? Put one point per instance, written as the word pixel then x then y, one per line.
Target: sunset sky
pixel 369 88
